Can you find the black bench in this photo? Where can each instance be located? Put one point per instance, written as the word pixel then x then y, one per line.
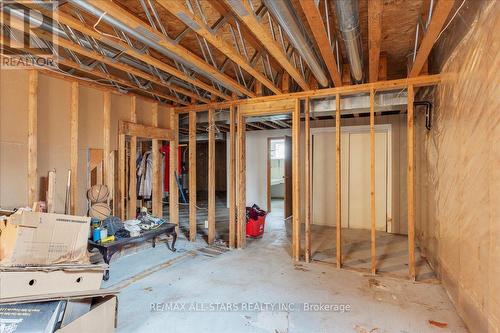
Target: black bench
pixel 108 249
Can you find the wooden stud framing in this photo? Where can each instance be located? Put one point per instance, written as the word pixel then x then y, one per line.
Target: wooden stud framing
pixel 74 145
pixel 121 175
pixel 107 143
pixel 192 176
pixel 375 8
pixel 174 190
pixel 372 184
pixel 296 180
pixel 32 136
pixel 232 177
pixel 157 186
pixel 285 83
pixel 144 131
pixel 211 176
pixel 241 182
pixel 411 197
pixel 338 189
pixel 307 182
pixel 132 206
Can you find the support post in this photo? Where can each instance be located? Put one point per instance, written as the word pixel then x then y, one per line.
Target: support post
pixel 174 190
pixel 307 183
pixel 132 206
pixel 211 176
pixel 338 189
pixel 411 198
pixel 241 182
pixel 232 178
pixel 74 145
pixel 192 176
pixel 155 147
pixel 372 183
pixel 296 180
pixel 32 136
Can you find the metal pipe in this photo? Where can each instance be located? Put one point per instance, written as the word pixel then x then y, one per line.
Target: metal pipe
pixel 283 11
pixel 348 20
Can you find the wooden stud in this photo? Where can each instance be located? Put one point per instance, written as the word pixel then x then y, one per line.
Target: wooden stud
pixel 307 182
pixel 372 183
pixel 375 8
pixel 285 82
pixel 211 176
pixel 192 176
pixel 232 177
pixel 32 136
pixel 338 189
pixel 174 190
pixel 144 131
pixel 440 14
pixel 258 89
pixel 410 179
pixel 51 188
pixel 132 166
pixel 296 181
pixel 157 185
pixel 121 175
pixel 382 67
pixel 241 234
pixel 107 143
pixel 74 145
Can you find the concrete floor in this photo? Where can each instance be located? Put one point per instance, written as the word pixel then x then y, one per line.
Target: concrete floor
pixel 262 276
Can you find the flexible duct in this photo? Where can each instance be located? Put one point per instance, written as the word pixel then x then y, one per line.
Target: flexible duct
pixel 283 11
pixel 348 20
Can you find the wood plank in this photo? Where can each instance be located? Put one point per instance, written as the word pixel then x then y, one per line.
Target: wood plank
pixel 250 20
pixel 315 20
pixel 132 212
pixel 440 14
pixel 382 67
pixel 192 176
pixel 241 165
pixel 51 188
pixel 157 185
pixel 372 185
pixel 137 24
pixel 267 108
pixel 410 184
pixel 197 25
pixel 174 189
pixel 375 9
pixel 232 177
pixel 296 181
pixel 338 181
pixel 32 137
pixel 211 176
pixel 285 83
pixel 258 89
pixel 420 81
pixel 144 131
pixel 107 139
pixel 307 181
pixel 74 145
pixel 121 176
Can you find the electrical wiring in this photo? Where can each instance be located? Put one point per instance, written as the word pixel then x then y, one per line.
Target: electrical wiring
pixel 102 32
pixel 451 20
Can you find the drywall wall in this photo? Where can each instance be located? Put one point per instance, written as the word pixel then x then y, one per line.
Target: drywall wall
pixel 458 175
pixel 13 138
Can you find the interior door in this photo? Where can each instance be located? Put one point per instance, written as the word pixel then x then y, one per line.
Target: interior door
pixel 288 177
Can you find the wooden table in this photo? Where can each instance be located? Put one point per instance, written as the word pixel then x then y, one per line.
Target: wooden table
pixel 108 249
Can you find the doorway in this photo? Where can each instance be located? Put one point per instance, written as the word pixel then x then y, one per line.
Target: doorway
pixel 279 175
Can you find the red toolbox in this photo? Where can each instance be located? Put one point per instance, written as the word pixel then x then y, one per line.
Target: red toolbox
pixel 255 227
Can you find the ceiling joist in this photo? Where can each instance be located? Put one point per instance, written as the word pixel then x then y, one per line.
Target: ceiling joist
pixel 375 8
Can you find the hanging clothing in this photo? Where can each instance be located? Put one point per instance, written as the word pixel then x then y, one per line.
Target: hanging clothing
pixel 165 149
pixel 145 175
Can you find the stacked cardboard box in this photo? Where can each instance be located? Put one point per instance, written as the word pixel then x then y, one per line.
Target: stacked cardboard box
pixel 44 267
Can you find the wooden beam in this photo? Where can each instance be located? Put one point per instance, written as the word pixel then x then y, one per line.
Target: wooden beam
pixel 409 185
pixel 267 108
pixel 315 20
pixel 421 81
pixel 373 221
pixel 338 181
pixel 246 16
pixel 144 131
pixel 241 165
pixel 382 67
pixel 157 185
pixel 32 137
pixel 132 206
pixel 174 190
pixel 197 25
pixel 307 182
pixel 296 181
pixel 211 176
pixel 440 14
pixel 258 89
pixel 285 82
pixel 74 145
pixel 375 9
pixel 145 57
pixel 192 176
pixel 232 177
pixel 137 24
pixel 107 139
pixel 121 176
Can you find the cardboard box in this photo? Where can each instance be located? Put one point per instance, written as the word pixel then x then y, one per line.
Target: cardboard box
pixel 46 280
pixel 32 238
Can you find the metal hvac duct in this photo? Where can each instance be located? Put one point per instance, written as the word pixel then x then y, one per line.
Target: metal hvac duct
pixel 150 40
pixel 348 20
pixel 283 11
